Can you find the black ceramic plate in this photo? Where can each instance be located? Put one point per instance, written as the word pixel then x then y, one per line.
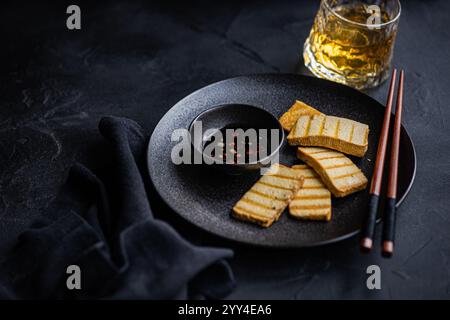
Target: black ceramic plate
pixel 205 197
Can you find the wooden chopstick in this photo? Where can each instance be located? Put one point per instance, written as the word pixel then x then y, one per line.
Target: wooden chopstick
pixel 389 215
pixel 368 228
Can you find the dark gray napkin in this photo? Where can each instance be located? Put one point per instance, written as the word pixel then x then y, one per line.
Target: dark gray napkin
pixel 103 224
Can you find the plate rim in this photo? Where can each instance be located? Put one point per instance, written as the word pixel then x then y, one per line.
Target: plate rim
pixel 265 245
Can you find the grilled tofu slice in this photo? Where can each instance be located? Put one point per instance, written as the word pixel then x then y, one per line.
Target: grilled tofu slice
pixel 341 176
pixel 290 117
pixel 266 200
pixel 313 200
pixel 336 133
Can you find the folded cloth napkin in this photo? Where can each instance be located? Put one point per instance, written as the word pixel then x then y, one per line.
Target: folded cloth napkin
pixel 103 224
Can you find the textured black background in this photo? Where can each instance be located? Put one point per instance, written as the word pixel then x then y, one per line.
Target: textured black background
pixel 137 59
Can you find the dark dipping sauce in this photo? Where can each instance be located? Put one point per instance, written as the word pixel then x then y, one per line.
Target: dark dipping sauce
pixel 240 145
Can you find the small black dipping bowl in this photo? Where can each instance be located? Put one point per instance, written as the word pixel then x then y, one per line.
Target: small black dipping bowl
pixel 236 116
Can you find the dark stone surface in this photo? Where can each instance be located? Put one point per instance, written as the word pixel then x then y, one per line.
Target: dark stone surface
pixel 137 59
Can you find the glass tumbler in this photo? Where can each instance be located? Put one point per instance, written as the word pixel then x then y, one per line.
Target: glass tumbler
pixel 352 41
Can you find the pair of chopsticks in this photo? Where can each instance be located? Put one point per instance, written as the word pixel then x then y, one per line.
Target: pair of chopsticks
pixel 368 228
